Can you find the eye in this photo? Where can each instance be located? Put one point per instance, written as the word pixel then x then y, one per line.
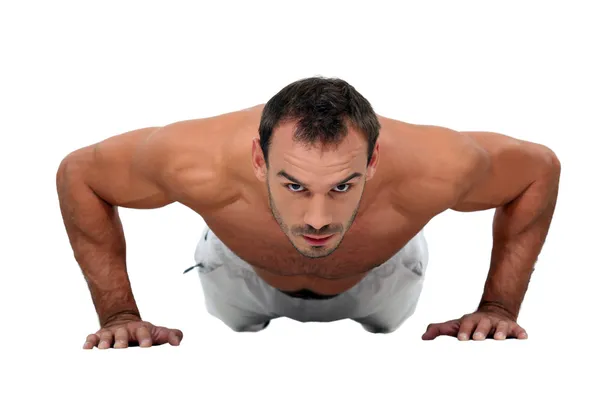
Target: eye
pixel 347 187
pixel 294 187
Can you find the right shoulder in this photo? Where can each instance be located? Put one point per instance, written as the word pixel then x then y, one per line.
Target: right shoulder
pixel 190 159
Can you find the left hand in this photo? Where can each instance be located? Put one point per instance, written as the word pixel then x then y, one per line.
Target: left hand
pixel 479 326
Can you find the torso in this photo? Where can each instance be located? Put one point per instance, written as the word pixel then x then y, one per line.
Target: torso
pixel 253 234
pixel 245 224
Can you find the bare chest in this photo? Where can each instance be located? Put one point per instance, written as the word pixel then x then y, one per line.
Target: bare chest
pixel 255 237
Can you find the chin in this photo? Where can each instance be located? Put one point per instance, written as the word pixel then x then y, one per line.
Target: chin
pixel 317 254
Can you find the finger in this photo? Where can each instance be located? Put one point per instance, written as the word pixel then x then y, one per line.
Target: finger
pixel 121 338
pixel 91 341
pixel 142 335
pixel 467 325
pixel 501 330
pixel 517 332
pixel 162 335
pixel 483 329
pixel 106 339
pixel 175 337
pixel 449 328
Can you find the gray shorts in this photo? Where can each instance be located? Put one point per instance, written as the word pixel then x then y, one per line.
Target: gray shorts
pixel 380 302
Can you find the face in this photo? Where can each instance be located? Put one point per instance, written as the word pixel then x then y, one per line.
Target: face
pixel 314 192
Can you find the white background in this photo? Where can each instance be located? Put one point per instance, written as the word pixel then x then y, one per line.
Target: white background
pixel 77 73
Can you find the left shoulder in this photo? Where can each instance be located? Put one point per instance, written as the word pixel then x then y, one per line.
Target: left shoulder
pixel 434 165
pixel 463 160
pixel 433 150
pixel 447 155
pixel 460 163
pixel 440 168
pixel 458 155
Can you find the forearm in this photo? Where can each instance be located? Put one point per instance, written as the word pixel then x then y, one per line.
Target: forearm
pixel 519 232
pixel 96 236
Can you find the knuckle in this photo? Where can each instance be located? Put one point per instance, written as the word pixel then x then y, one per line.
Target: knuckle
pixel 122 336
pixel 134 324
pixel 108 334
pixel 142 333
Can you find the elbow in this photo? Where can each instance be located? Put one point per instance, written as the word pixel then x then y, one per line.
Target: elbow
pixel 555 164
pixel 63 165
pixel 75 160
pixel 550 161
pixel 66 165
pixel 62 169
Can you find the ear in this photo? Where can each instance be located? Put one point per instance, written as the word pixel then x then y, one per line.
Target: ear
pixel 258 161
pixel 373 163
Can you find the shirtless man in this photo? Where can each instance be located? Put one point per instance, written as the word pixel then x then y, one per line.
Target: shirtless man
pixel 315 208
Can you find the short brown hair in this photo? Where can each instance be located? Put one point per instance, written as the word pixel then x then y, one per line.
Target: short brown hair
pixel 321 107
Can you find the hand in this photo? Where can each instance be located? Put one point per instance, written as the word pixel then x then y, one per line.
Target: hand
pixel 129 332
pixel 478 325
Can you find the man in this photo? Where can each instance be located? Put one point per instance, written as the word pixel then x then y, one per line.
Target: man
pixel 315 208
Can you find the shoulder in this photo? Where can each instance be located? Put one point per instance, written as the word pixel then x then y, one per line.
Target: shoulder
pixel 433 165
pixel 457 159
pixel 191 158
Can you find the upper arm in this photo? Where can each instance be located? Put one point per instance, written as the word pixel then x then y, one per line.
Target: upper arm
pixel 511 166
pixel 108 169
pixel 145 168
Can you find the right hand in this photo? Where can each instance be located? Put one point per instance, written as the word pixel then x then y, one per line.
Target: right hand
pixel 125 333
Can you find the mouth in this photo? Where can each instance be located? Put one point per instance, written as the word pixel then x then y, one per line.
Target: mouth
pixel 317 240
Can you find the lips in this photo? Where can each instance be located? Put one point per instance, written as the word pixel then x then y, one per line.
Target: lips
pixel 317 237
pixel 317 240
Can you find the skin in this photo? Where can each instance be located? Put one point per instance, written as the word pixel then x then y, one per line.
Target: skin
pixel 215 167
pixel 314 192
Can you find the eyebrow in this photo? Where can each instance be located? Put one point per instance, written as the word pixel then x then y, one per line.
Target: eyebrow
pixel 287 176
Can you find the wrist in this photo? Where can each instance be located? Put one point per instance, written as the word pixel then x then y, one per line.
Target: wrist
pixel 496 308
pixel 121 316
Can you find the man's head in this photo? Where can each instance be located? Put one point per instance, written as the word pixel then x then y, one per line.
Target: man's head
pixel 316 149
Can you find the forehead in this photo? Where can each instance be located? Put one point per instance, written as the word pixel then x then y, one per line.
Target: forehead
pixel 285 149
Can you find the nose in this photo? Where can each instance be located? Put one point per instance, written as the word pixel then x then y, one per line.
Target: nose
pixel 317 215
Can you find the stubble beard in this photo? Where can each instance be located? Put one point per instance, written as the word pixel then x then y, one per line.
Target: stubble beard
pixel 315 251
